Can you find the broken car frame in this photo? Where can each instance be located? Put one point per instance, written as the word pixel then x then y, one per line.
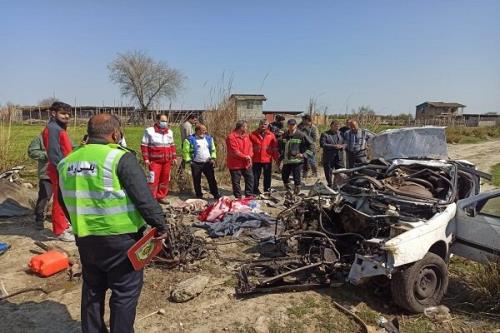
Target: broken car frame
pixel 398 218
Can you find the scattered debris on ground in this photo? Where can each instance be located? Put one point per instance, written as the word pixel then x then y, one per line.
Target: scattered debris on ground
pixel 189 289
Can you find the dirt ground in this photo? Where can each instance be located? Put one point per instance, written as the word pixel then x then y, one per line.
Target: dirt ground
pixel 217 309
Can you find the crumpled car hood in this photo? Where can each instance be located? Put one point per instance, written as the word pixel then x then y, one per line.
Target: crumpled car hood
pixel 427 142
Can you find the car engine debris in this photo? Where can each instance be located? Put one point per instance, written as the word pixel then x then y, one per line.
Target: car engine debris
pixel 334 236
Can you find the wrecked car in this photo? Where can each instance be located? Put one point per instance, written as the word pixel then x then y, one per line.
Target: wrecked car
pixel 398 218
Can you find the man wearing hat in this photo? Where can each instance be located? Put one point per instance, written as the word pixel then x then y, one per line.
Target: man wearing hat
pixel 293 147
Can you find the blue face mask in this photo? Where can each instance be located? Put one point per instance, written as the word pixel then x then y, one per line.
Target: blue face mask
pixel 163 124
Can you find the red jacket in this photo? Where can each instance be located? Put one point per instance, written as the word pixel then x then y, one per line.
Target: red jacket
pixel 238 148
pixel 158 145
pixel 57 145
pixel 265 148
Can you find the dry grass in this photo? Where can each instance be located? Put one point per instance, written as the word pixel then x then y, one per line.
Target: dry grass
pixel 220 118
pixel 8 159
pixel 460 134
pixel 485 281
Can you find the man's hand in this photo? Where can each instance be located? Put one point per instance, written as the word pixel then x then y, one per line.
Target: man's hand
pixel 248 158
pixel 147 162
pixel 161 236
pixel 299 155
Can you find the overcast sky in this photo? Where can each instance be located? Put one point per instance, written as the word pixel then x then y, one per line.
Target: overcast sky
pixel 391 55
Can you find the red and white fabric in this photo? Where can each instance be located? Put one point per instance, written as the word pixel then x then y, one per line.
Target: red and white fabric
pixel 216 211
pixel 158 147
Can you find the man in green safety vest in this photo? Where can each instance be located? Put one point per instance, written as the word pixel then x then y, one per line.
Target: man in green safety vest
pixel 106 197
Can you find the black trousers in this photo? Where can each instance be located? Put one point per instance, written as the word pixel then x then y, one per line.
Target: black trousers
pixel 206 168
pixel 105 265
pixel 44 194
pixel 294 170
pixel 331 163
pixel 257 170
pixel 236 178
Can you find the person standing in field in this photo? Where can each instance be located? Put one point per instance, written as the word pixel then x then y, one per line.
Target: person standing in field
pixel 106 197
pixel 311 133
pixel 332 143
pixel 265 150
pixel 277 126
pixel 293 147
pixel 58 145
pixel 199 152
pixel 187 127
pixel 355 144
pixel 159 153
pixel 239 158
pixel 346 127
pixel 36 151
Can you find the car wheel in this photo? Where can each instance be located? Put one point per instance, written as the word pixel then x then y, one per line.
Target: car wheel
pixel 420 285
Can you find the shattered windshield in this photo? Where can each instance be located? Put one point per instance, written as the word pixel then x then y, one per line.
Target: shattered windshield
pixel 414 142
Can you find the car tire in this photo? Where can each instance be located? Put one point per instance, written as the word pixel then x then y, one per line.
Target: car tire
pixel 420 285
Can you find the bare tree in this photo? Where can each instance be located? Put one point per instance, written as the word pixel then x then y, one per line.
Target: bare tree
pixel 142 78
pixel 47 102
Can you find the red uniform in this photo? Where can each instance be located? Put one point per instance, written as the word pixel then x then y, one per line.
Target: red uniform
pixel 238 148
pixel 265 147
pixel 158 148
pixel 58 145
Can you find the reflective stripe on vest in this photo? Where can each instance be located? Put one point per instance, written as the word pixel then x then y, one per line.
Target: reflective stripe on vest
pixel 100 211
pixel 92 193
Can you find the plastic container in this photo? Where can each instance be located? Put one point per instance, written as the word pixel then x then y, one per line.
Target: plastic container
pixel 49 263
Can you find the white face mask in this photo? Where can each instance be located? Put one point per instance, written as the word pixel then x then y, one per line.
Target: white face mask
pixel 163 124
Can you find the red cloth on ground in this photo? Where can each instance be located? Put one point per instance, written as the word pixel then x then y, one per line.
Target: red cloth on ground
pixel 238 148
pixel 217 210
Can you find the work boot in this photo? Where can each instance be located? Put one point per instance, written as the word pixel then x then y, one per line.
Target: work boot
pixel 66 236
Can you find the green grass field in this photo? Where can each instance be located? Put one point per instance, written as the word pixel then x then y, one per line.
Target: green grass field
pixel 14 151
pixel 495 172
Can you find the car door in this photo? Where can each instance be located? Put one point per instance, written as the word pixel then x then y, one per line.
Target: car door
pixel 476 227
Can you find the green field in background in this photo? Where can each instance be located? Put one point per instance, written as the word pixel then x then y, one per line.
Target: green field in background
pixel 21 136
pixel 495 172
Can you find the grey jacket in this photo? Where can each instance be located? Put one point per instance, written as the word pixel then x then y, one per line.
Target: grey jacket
pixel 311 133
pixel 36 151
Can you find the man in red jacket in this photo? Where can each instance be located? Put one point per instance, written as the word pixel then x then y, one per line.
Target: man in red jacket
pixel 58 145
pixel 265 150
pixel 239 158
pixel 159 153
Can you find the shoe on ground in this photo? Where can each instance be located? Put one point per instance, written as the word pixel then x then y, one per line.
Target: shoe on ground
pixel 66 236
pixel 39 225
